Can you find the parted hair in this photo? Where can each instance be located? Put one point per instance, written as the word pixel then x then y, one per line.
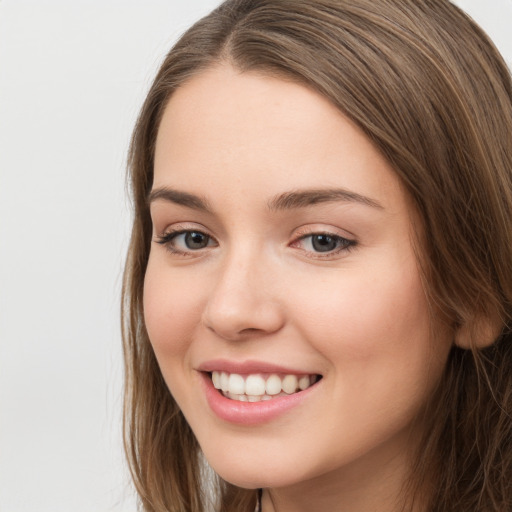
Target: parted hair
pixel 429 89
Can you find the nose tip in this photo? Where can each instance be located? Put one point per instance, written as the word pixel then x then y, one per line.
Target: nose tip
pixel 238 323
pixel 242 306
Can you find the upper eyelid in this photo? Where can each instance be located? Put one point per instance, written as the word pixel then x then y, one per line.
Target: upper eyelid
pixel 167 238
pixel 304 231
pixel 181 231
pixel 297 234
pixel 347 245
pixel 351 241
pixel 183 227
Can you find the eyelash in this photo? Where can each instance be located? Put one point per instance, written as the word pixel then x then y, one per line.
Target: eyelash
pixel 344 244
pixel 167 238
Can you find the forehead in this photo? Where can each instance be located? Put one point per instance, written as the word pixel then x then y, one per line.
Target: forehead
pixel 246 132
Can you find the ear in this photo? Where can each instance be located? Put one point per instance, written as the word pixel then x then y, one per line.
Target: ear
pixel 479 332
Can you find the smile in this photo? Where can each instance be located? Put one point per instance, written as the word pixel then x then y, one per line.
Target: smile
pixel 260 387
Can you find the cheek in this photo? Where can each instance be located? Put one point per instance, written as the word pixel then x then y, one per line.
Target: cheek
pixel 170 310
pixel 365 318
pixel 382 359
pixel 171 315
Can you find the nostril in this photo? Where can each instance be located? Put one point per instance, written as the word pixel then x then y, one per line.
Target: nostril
pixel 241 312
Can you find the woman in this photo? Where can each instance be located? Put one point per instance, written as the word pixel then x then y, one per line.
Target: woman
pixel 318 289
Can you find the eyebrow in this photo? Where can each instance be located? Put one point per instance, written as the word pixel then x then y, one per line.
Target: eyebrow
pixel 286 201
pixel 304 198
pixel 179 197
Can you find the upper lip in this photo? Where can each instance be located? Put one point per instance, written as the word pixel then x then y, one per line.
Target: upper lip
pixel 248 367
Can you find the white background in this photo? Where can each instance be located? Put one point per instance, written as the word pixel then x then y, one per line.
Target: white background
pixel 72 77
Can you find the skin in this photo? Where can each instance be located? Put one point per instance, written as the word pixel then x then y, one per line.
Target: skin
pixel 259 290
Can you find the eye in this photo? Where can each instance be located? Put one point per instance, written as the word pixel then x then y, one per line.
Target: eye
pixel 193 240
pixel 323 244
pixel 184 241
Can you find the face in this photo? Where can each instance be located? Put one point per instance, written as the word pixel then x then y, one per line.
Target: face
pixel 282 271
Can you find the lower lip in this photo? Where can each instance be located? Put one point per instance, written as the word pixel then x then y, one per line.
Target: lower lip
pixel 251 413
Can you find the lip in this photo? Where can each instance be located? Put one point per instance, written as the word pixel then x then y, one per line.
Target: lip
pixel 248 367
pixel 250 413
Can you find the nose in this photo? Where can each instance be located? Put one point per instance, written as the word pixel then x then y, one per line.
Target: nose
pixel 244 302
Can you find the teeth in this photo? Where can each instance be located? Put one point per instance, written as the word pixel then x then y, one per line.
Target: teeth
pixel 304 383
pixel 216 380
pixel 273 385
pixel 290 384
pixel 257 387
pixel 236 384
pixel 224 382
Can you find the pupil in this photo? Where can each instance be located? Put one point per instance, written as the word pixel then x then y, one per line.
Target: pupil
pixel 323 243
pixel 196 240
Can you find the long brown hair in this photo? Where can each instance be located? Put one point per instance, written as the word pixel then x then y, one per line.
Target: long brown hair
pixel 427 86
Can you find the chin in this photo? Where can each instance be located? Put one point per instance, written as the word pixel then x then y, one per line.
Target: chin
pixel 253 480
pixel 250 475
